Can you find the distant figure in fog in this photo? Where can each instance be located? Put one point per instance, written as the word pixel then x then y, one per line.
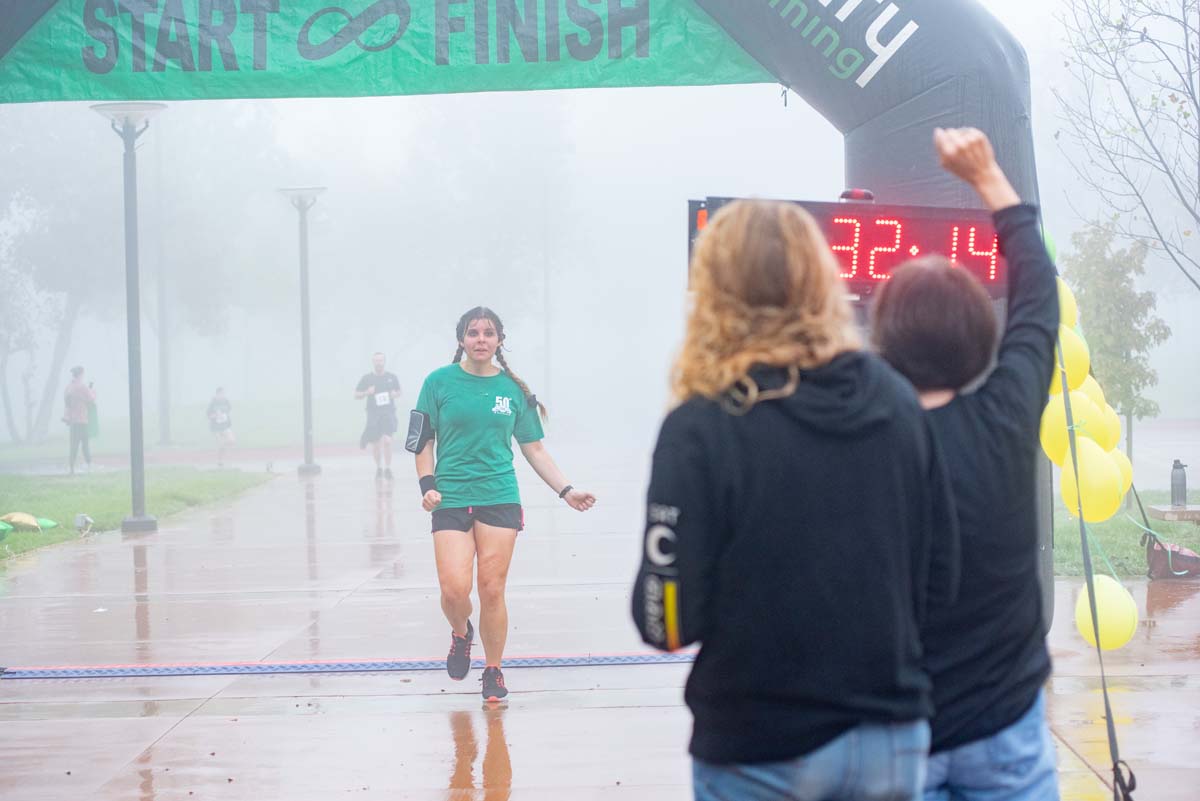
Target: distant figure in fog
pixel 78 400
pixel 381 389
pixel 220 423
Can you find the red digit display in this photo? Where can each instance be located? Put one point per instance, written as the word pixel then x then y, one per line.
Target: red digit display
pixel 876 267
pixel 871 241
pixel 992 255
pixel 852 248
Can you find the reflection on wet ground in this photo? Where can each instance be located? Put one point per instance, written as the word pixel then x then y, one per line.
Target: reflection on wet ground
pixel 1154 689
pixel 496 771
pixel 340 568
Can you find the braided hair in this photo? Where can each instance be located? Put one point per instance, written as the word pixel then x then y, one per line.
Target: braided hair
pixel 484 313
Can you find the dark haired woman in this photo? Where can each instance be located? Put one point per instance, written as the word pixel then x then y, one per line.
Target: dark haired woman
pixel 987 652
pixel 473 409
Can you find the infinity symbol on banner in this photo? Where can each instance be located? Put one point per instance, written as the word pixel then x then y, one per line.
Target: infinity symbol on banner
pixel 355 27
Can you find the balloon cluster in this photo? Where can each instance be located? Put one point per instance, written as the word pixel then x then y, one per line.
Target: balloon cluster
pixel 1104 472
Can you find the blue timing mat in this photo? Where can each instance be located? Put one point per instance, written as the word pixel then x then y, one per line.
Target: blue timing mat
pixel 368 666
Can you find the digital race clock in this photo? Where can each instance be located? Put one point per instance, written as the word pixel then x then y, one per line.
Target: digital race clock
pixel 871 241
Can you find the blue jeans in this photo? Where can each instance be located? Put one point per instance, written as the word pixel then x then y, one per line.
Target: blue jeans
pixel 871 762
pixel 1016 764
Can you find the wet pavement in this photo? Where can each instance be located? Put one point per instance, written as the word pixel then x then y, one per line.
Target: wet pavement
pixel 341 568
pixel 1154 688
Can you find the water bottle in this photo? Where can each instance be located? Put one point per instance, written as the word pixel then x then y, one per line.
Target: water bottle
pixel 1178 484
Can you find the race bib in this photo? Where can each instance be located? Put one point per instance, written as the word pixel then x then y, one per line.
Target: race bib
pixel 383 398
pixel 221 417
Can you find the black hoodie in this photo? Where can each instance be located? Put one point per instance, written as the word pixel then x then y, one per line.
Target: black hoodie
pixel 987 653
pixel 801 544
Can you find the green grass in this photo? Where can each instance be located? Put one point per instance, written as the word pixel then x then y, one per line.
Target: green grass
pixel 1118 538
pixel 257 425
pixel 105 497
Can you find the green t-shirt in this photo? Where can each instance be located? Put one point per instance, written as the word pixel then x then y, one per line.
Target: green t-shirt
pixel 474 421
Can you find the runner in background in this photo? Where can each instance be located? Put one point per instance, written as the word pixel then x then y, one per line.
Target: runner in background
pixel 220 423
pixel 380 389
pixel 78 399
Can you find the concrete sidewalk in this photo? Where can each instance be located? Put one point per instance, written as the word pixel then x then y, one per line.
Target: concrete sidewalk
pixel 341 568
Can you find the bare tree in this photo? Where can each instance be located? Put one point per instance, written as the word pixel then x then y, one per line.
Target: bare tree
pixel 60 235
pixel 1130 118
pixel 18 309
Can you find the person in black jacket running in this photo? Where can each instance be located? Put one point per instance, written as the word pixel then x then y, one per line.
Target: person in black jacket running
pixel 799 522
pixel 987 653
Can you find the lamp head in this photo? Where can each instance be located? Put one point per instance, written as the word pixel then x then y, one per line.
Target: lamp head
pixel 122 114
pixel 302 194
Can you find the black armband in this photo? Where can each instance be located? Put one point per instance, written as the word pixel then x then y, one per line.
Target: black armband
pixel 428 484
pixel 420 432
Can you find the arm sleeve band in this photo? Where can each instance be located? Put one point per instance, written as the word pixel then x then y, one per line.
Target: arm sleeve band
pixel 420 432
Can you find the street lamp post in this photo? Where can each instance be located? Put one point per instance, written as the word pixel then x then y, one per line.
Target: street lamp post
pixel 130 121
pixel 164 314
pixel 303 199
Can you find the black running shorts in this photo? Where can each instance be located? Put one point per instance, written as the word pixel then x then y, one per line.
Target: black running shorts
pixel 379 425
pixel 504 515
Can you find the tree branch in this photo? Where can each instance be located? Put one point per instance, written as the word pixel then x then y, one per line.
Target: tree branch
pixel 1139 136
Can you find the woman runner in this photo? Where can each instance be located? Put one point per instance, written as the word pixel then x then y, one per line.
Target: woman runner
pixel 474 409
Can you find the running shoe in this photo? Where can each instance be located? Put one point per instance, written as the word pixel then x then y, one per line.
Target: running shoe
pixel 458 661
pixel 494 690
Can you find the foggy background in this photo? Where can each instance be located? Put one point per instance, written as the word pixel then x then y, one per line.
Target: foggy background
pixel 564 211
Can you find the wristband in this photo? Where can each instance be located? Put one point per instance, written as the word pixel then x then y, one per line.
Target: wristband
pixel 565 490
pixel 428 483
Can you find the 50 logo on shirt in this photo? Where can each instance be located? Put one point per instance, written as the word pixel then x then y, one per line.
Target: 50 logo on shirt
pixel 503 405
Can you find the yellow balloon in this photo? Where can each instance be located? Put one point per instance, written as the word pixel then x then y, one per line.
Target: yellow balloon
pixel 1116 611
pixel 1099 485
pixel 1078 359
pixel 1053 432
pixel 1108 432
pixel 1068 309
pixel 1122 462
pixel 1091 388
pixel 1076 356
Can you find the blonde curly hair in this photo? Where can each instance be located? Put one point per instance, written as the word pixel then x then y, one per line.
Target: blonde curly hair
pixel 768 291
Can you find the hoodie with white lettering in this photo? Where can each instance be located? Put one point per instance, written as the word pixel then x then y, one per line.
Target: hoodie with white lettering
pixel 800 543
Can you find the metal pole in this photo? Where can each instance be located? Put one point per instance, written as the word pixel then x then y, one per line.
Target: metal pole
pixel 164 319
pixel 547 304
pixel 164 351
pixel 309 467
pixel 164 363
pixel 139 520
pixel 1129 453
